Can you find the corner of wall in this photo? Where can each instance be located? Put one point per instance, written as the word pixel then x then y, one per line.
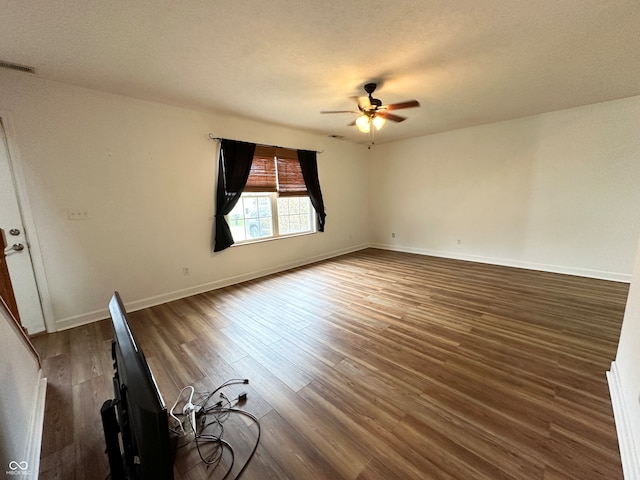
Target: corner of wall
pixel 628 450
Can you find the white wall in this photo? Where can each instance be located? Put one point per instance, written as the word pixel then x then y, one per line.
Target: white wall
pixel 556 192
pixel 145 174
pixel 624 380
pixel 21 401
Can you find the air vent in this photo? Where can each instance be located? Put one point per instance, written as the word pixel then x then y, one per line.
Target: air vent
pixel 15 66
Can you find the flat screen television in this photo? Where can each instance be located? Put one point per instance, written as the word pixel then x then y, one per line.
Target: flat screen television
pixel 135 422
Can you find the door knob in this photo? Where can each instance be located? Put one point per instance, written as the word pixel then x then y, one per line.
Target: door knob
pixel 14 231
pixel 17 247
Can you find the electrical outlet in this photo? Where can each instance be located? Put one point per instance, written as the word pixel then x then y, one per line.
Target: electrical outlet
pixel 393 235
pixel 185 271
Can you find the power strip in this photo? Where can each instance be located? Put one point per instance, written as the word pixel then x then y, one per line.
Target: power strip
pixel 192 410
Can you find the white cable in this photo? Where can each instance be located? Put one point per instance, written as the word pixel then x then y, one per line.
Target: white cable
pixel 185 408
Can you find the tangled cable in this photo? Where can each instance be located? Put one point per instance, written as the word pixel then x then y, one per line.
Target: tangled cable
pixel 205 423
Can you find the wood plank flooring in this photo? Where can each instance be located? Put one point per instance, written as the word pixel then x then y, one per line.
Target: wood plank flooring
pixel 371 366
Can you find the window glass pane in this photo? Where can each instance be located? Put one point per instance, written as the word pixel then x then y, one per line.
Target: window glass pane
pixel 305 223
pixel 236 221
pixel 295 223
pixel 250 207
pixel 264 207
pixel 283 224
pixel 283 206
pixel 265 227
pixel 294 206
pixel 253 217
pixel 258 222
pixel 294 215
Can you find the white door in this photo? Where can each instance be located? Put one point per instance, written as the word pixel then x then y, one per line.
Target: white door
pixel 18 258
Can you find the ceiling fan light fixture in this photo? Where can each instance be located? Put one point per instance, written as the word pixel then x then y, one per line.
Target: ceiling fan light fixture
pixel 363 124
pixel 373 114
pixel 378 122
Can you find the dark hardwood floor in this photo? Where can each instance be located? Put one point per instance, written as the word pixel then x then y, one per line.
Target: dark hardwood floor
pixel 372 366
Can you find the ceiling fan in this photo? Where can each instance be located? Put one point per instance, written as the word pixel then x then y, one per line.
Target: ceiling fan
pixel 373 112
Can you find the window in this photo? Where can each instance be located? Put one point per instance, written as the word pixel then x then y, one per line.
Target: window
pixel 275 202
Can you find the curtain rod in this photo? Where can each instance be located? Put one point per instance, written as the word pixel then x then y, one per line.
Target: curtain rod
pixel 211 137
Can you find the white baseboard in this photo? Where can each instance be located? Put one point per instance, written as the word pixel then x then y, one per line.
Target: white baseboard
pixel 580 272
pixel 34 444
pixel 132 306
pixel 628 451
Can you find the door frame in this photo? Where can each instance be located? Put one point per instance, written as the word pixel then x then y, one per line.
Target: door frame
pixel 20 184
pixel 6 288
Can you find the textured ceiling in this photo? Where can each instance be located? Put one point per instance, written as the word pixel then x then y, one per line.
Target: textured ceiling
pixel 467 62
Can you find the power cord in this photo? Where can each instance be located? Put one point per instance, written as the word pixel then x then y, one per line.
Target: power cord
pixel 233 381
pixel 220 411
pixel 188 408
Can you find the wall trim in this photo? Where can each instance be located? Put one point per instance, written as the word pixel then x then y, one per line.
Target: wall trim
pixel 34 444
pixel 628 451
pixel 562 269
pixel 132 306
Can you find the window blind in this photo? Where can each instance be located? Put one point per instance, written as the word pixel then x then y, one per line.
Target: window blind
pixel 290 179
pixel 262 176
pixel 276 170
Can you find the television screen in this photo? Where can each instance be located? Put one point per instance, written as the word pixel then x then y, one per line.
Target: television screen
pixel 144 443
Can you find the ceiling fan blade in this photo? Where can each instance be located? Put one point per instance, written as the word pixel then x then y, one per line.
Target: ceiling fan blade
pixel 390 116
pixel 339 111
pixel 351 124
pixel 407 104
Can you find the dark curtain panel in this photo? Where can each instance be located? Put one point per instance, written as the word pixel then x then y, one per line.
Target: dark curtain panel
pixel 234 165
pixel 309 167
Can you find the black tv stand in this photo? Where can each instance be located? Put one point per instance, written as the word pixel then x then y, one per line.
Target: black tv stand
pixel 111 434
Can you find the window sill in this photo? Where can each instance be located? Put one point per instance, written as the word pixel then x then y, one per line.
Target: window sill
pixel 270 239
